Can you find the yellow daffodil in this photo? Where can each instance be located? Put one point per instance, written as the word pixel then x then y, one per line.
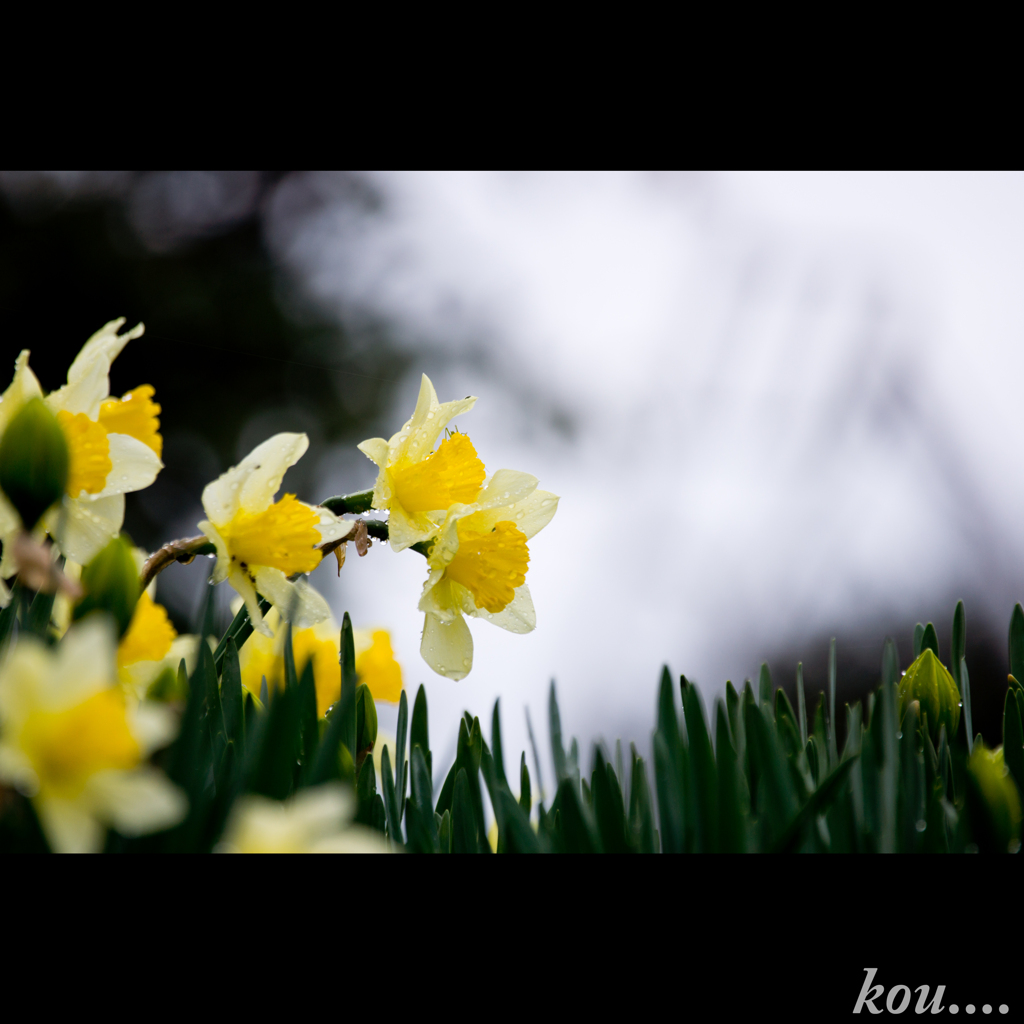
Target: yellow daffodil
pixel 70 741
pixel 263 657
pixel 313 821
pixel 114 446
pixel 150 646
pixel 261 542
pixel 417 484
pixel 478 567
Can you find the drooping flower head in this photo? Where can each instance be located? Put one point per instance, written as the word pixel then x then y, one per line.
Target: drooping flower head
pixel 114 446
pixel 416 483
pixel 478 567
pixel 262 657
pixel 69 740
pixel 261 542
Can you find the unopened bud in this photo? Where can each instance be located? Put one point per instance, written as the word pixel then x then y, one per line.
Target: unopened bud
pixel 993 800
pixel 111 583
pixel 33 461
pixel 928 682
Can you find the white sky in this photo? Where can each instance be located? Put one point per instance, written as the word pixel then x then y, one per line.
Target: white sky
pixel 794 401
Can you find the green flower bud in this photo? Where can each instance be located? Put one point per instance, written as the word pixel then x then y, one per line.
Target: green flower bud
pixel 111 583
pixel 928 682
pixel 33 461
pixel 993 802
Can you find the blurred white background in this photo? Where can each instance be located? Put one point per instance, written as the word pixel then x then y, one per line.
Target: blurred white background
pixel 777 407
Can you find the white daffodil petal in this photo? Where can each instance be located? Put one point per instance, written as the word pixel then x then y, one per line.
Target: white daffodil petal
pixel 213 535
pixel 153 726
pixel 275 456
pixel 330 526
pixel 133 465
pixel 139 801
pixel 518 616
pixel 83 527
pixel 506 487
pixel 376 449
pixel 88 377
pixel 404 530
pixel 84 662
pixel 23 387
pixel 447 647
pixel 439 597
pixel 355 839
pixel 244 587
pixel 416 439
pixel 296 601
pixel 69 827
pixel 247 485
pixel 106 344
pixel 530 515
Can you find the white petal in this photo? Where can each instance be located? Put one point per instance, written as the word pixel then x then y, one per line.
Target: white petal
pixel 296 601
pixel 69 826
pixel 439 598
pixel 506 487
pixel 133 465
pixel 82 527
pixel 330 526
pixel 84 663
pixel 244 586
pixel 88 381
pixel 153 726
pixel 213 535
pixel 375 449
pixel 253 483
pixel 23 387
pixel 447 647
pixel 355 839
pixel 416 439
pixel 530 515
pixel 404 529
pixel 518 616
pixel 139 801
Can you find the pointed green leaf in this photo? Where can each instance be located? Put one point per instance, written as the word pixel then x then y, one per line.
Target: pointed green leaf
pixel 732 837
pixel 779 803
pixel 1013 739
pixel 496 753
pixel 801 703
pixel 764 685
pixel 465 838
pixel 641 807
pixel 401 768
pixel 519 836
pixel 444 800
pixel 231 692
pixel 240 630
pixel 965 694
pixel 1016 643
pixel 818 803
pixel 346 706
pixel 959 642
pixel 420 733
pixel 609 813
pixel 387 785
pixel 930 639
pixel 555 729
pixel 833 755
pixel 918 640
pixel 670 800
pixel 525 796
pixel 704 774
pixel 579 834
pixel 309 724
pixel 444 832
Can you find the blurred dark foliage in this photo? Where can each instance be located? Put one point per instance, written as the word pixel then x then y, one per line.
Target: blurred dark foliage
pixel 228 342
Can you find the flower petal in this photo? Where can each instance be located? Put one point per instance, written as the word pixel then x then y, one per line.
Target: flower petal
pixel 220 570
pixel 23 387
pixel 82 527
pixel 245 588
pixel 134 465
pixel 404 529
pixel 69 826
pixel 376 449
pixel 248 485
pixel 447 647
pixel 297 601
pixel 153 726
pixel 506 487
pixel 330 526
pixel 530 515
pixel 88 381
pixel 137 802
pixel 416 439
pixel 518 616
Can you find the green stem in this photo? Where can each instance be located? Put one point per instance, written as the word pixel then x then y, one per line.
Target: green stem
pixel 360 501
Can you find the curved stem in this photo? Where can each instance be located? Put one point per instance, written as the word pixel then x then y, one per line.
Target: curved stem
pixel 183 550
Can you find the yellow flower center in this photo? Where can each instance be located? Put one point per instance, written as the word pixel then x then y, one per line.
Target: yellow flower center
pixel 283 536
pixel 451 474
pixel 89 453
pixel 136 415
pixel 149 635
pixel 67 747
pixel 491 565
pixel 376 666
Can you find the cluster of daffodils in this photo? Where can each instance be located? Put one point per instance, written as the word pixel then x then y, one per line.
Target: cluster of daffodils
pixel 93 674
pixel 474 530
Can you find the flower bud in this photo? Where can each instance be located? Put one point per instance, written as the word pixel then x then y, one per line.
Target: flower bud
pixel 111 583
pixel 928 682
pixel 993 802
pixel 33 461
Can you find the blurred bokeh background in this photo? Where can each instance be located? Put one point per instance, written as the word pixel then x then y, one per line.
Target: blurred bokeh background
pixel 777 407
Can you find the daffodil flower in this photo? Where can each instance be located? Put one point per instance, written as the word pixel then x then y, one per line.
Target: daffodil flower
pixel 417 484
pixel 478 567
pixel 150 646
pixel 313 821
pixel 261 542
pixel 262 657
pixel 70 741
pixel 114 446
